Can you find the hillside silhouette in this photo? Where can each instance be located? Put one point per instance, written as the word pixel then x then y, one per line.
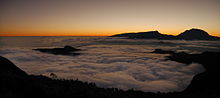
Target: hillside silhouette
pixel 145 35
pixel 15 83
pixel 192 34
pixel 207 81
pixel 66 50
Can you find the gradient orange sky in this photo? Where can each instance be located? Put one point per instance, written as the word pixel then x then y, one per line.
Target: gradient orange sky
pixel 106 17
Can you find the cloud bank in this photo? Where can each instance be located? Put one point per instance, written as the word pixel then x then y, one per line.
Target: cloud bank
pixel 124 64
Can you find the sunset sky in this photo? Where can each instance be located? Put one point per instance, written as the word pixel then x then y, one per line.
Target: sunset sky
pixel 106 17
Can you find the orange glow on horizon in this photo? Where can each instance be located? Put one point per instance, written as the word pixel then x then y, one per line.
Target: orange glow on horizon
pixel 106 17
pixel 52 34
pixel 83 34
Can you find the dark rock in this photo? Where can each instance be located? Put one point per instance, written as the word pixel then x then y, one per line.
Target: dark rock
pixel 181 57
pixel 210 60
pixel 209 80
pixel 160 51
pixel 206 82
pixel 7 67
pixel 67 50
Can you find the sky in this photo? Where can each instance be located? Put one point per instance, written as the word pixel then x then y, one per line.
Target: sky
pixel 106 17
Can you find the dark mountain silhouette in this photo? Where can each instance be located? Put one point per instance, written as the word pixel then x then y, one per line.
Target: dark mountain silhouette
pixel 196 34
pixel 14 83
pixel 67 50
pixel 192 34
pixel 145 35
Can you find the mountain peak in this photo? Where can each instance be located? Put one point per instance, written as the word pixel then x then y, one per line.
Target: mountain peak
pixel 194 34
pixel 150 32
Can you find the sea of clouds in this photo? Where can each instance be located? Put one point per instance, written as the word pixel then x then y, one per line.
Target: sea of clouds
pixel 111 62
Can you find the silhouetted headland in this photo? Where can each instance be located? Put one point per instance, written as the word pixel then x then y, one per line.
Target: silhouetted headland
pixel 207 81
pixel 160 51
pixel 67 50
pixel 8 68
pixel 15 83
pixel 192 34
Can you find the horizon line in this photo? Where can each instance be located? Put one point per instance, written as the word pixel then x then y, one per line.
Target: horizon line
pixel 95 35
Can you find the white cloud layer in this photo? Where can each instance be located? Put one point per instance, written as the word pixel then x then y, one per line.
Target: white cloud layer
pixel 125 64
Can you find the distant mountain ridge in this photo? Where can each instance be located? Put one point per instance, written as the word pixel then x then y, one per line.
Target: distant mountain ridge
pixel 192 34
pixel 196 34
